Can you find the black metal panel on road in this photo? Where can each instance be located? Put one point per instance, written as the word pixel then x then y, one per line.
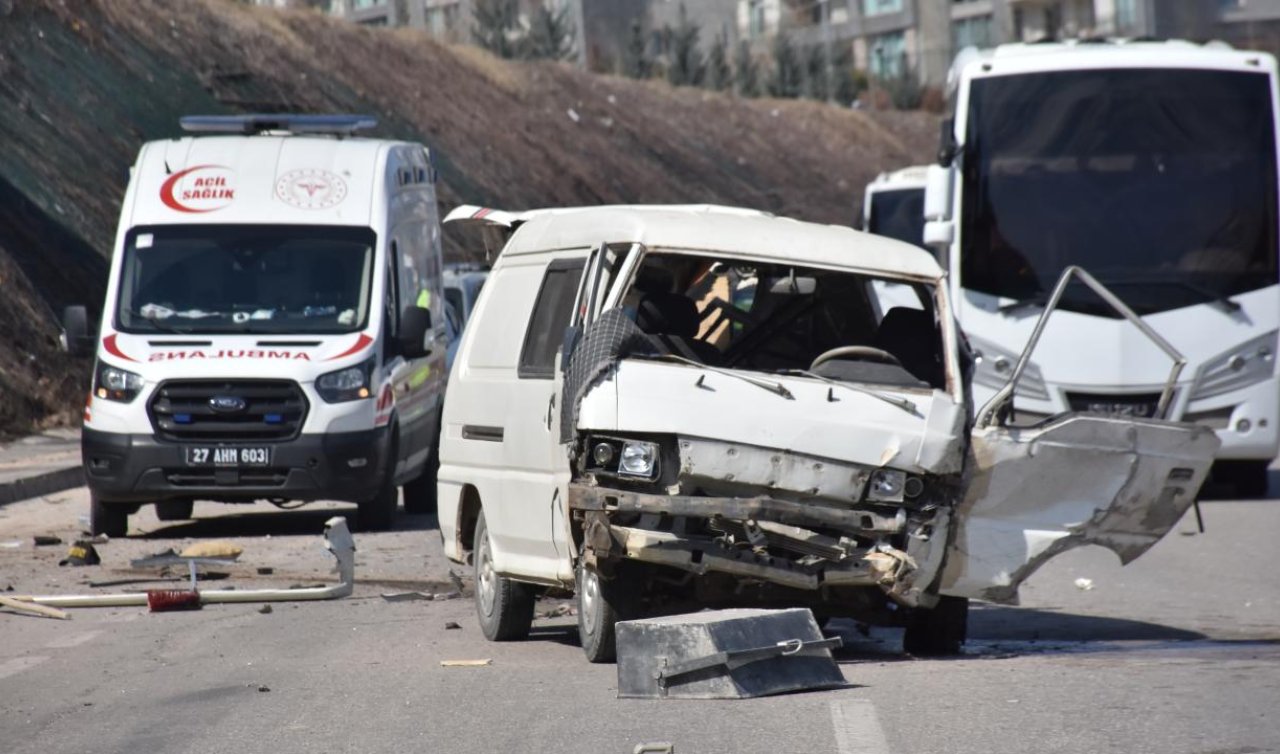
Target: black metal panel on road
pixel 725 654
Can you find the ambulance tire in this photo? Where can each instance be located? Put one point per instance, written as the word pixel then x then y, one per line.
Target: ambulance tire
pixel 504 607
pixel 108 519
pixel 378 513
pixel 420 493
pixel 938 632
pixel 175 510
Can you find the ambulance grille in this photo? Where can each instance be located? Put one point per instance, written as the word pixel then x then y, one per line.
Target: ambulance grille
pixel 185 410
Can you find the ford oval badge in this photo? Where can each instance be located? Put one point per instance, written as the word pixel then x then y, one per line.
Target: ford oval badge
pixel 228 404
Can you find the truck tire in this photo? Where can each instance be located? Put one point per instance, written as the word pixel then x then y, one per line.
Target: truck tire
pixel 938 632
pixel 108 519
pixel 601 604
pixel 175 510
pixel 504 607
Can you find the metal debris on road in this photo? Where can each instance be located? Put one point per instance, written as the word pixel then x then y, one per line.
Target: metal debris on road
pixel 466 663
pixel 451 625
pixel 265 610
pixel 43 540
pixel 407 596
pixel 82 553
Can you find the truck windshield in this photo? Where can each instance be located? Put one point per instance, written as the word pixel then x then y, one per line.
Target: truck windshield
pixel 898 214
pixel 1162 183
pixel 246 279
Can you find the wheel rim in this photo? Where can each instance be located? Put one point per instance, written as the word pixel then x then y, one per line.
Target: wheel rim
pixel 589 599
pixel 486 586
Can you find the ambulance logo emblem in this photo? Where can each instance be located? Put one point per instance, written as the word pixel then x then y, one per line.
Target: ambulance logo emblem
pixel 311 188
pixel 203 188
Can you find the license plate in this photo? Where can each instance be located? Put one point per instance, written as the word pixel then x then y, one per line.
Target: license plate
pixel 1132 410
pixel 228 457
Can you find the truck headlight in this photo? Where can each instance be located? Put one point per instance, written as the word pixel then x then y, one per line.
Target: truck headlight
pixel 1249 363
pixel 113 384
pixel 639 459
pixel 993 366
pixel 350 384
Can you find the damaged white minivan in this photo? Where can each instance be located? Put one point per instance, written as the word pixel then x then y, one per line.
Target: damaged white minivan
pixel 670 408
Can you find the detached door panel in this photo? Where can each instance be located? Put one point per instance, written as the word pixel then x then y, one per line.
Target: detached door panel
pixel 1078 480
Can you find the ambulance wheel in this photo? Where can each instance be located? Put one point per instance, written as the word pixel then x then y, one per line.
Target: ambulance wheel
pixel 108 519
pixel 420 493
pixel 175 510
pixel 1248 479
pixel 601 604
pixel 938 632
pixel 378 513
pixel 504 607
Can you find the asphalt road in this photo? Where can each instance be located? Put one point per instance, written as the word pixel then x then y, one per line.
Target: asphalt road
pixel 1177 652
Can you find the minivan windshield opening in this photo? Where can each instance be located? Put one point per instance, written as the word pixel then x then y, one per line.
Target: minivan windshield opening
pixel 246 279
pixel 1160 183
pixel 780 318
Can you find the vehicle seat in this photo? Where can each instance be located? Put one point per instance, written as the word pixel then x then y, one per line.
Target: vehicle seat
pixel 672 321
pixel 910 335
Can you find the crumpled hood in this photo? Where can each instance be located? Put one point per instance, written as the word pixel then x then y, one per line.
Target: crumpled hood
pixel 820 419
pixel 301 357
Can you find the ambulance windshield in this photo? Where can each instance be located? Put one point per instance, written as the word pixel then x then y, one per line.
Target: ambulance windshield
pixel 246 279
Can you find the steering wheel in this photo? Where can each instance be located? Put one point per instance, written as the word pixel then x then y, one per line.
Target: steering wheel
pixel 861 353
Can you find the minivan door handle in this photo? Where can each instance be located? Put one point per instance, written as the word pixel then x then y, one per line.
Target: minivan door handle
pixel 551 406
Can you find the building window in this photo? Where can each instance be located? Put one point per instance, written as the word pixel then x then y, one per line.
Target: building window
pixel 1126 17
pixel 972 32
pixel 755 19
pixel 888 55
pixel 880 7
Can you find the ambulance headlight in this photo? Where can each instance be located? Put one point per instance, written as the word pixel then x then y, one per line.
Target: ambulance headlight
pixel 350 384
pixel 1247 364
pixel 113 384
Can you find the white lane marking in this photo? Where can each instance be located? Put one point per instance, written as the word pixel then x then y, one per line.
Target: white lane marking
pixel 19 664
pixel 73 641
pixel 857 728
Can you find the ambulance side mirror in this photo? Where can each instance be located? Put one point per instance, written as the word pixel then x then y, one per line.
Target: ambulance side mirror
pixel 75 331
pixel 415 323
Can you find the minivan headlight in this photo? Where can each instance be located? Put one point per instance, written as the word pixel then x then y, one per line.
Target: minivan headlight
pixel 350 384
pixel 1247 364
pixel 114 384
pixel 993 366
pixel 639 459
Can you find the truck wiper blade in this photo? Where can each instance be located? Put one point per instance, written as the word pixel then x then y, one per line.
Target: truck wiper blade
pixel 902 403
pixel 1038 300
pixel 777 388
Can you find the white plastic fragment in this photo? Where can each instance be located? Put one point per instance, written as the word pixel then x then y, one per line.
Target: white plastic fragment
pixel 1084 584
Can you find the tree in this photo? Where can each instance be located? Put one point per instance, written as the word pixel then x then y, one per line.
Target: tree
pixel 551 34
pixel 719 76
pixel 636 63
pixel 746 74
pixel 788 70
pixel 496 26
pixel 685 67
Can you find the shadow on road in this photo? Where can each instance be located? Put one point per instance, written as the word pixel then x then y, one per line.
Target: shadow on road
pixel 257 523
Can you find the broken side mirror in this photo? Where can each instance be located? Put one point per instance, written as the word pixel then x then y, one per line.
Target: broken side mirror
pixel 75 336
pixel 415 324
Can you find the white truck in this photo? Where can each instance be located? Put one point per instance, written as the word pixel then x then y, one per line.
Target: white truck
pixel 1153 165
pixel 272 327
pixel 893 205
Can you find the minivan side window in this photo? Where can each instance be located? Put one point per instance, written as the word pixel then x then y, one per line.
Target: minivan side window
pixel 550 317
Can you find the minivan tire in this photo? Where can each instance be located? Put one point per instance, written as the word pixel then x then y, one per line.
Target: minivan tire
pixel 175 510
pixel 108 519
pixel 503 607
pixel 601 604
pixel 938 632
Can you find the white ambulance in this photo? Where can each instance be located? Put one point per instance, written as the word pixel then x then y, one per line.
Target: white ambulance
pixel 273 324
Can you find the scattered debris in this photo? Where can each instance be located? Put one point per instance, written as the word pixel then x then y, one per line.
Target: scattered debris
pixel 218 548
pixel 1084 584
pixel 263 689
pixel 466 663
pixel 452 595
pixel 127 582
pixel 100 539
pixel 558 611
pixel 34 609
pixel 43 540
pixel 265 570
pixel 82 553
pixel 167 600
pixel 573 115
pixel 451 625
pixel 11 545
pixel 265 610
pixel 407 596
pixel 455 579
pixel 654 748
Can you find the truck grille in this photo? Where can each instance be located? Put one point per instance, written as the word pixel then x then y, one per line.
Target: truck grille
pixel 271 410
pixel 1136 405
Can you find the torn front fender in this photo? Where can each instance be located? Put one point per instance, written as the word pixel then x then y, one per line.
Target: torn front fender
pixel 1033 493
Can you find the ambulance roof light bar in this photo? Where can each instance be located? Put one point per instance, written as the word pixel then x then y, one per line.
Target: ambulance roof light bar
pixel 248 125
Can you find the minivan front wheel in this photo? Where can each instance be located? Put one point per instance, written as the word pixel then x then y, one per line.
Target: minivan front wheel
pixel 601 604
pixel 504 607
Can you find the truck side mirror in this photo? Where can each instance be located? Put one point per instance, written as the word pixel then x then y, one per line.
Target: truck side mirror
pixel 75 331
pixel 415 323
pixel 947 146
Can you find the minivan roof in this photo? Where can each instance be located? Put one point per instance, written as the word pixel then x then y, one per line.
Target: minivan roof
pixel 726 231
